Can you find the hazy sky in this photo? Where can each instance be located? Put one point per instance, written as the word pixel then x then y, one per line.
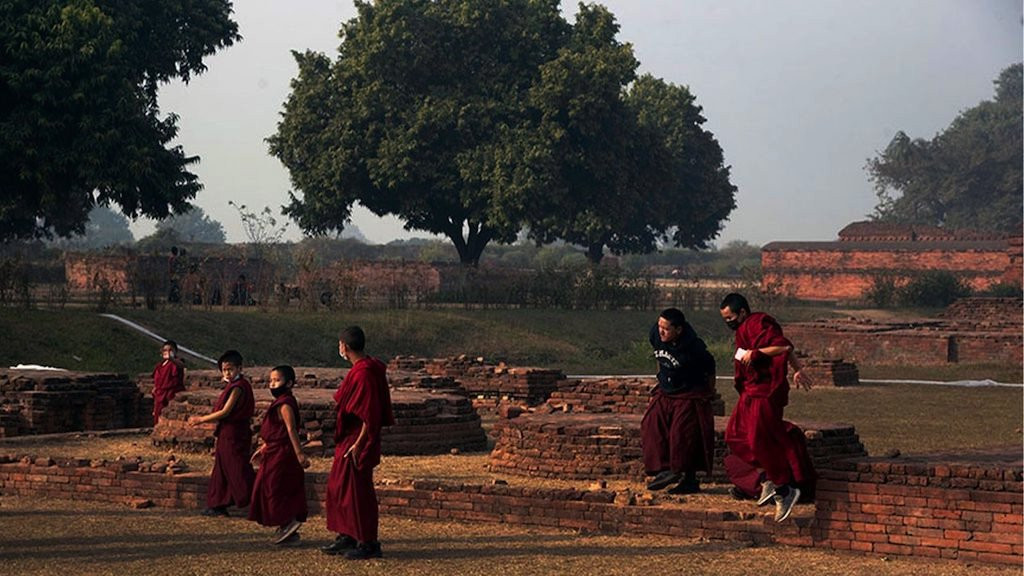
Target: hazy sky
pixel 799 93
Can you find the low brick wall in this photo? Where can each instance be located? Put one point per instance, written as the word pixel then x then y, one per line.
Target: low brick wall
pixel 831 373
pixel 965 508
pixel 921 343
pixel 427 421
pixel 49 401
pixel 595 446
pixel 960 506
pixel 619 395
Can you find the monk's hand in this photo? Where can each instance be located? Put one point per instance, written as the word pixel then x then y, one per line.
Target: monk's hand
pixel 802 380
pixel 195 420
pixel 747 357
pixel 352 450
pixel 304 461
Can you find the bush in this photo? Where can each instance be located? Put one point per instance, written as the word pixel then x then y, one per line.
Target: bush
pixel 882 292
pixel 932 289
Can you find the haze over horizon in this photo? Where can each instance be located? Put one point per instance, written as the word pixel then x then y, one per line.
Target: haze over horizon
pixel 799 94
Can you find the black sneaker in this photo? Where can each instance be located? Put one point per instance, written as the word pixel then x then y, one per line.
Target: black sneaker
pixel 285 531
pixel 213 512
pixel 340 545
pixel 684 487
pixel 365 551
pixel 738 494
pixel 664 479
pixel 292 539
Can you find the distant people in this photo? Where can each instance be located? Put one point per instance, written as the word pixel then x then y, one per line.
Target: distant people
pixel 678 428
pixel 279 492
pixel 232 477
pixel 173 269
pixel 168 378
pixel 762 445
pixel 364 407
pixel 240 292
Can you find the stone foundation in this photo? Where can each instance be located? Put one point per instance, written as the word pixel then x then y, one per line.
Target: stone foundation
pixel 49 401
pixel 965 507
pixel 595 446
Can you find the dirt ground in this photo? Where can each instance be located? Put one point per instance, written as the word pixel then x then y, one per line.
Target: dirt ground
pixel 64 537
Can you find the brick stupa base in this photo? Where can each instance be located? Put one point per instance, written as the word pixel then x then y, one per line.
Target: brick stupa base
pixel 596 446
pixel 427 421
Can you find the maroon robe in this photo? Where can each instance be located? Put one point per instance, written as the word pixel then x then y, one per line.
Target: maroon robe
pixel 279 494
pixel 351 503
pixel 232 476
pixel 168 380
pixel 678 432
pixel 756 433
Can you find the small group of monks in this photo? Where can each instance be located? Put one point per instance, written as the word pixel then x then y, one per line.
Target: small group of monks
pixel 276 495
pixel 768 459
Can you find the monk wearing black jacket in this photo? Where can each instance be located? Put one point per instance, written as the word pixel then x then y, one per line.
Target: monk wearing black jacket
pixel 678 429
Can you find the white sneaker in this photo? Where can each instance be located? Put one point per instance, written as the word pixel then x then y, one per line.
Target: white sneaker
pixel 767 492
pixel 287 531
pixel 784 505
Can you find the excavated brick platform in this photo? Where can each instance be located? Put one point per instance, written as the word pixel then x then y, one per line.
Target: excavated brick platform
pixel 605 445
pixel 433 415
pixel 955 507
pixel 623 395
pixel 50 401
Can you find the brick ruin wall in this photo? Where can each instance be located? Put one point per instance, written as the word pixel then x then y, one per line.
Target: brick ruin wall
pixel 584 446
pixel 845 271
pixel 46 402
pixel 971 331
pixel 433 415
pixel 961 508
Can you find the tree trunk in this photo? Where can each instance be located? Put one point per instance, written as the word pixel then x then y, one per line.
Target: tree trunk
pixel 595 252
pixel 472 246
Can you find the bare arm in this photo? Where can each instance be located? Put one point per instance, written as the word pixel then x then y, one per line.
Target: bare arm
pixel 767 351
pixel 219 414
pixel 288 415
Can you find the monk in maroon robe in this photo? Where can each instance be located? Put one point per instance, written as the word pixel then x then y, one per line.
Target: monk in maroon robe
pixel 364 407
pixel 279 493
pixel 232 477
pixel 168 378
pixel 756 433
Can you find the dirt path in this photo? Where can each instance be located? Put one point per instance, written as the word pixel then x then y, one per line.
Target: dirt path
pixel 62 537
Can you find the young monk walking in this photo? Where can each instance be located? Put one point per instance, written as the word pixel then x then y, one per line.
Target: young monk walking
pixel 279 493
pixel 232 476
pixel 364 407
pixel 756 433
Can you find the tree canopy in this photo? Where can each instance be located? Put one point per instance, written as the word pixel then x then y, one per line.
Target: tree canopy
pixel 473 119
pixel 104 228
pixel 79 121
pixel 194 226
pixel 967 176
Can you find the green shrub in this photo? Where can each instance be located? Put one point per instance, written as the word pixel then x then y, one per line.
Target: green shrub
pixel 932 289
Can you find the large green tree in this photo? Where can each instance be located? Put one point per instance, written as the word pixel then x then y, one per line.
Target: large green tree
pixel 474 118
pixel 967 176
pixel 408 119
pixel 79 121
pixel 616 161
